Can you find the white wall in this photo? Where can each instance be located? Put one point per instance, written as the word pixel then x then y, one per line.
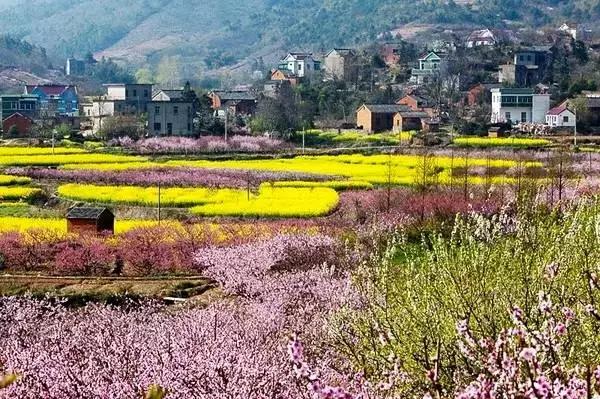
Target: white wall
pixel 541 106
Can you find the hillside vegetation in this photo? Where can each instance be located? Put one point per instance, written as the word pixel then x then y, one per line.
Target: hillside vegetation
pixel 228 31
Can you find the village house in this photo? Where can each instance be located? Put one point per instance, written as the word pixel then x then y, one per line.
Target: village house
pixel 120 99
pixel 591 101
pixel 512 105
pixel 480 93
pixel 300 64
pixel 75 67
pixel 283 75
pixel 373 118
pixel 429 65
pixel 575 30
pixel 530 66
pixel 25 104
pixel 481 38
pixel 340 64
pixel 405 121
pixel 232 102
pixel 418 103
pixel 17 124
pixel 171 112
pixel 390 54
pixel 560 116
pixel 55 100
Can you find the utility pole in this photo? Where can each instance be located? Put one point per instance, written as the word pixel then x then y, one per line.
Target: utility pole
pixel 226 122
pixel 303 139
pixel 53 138
pixel 159 215
pixel 575 130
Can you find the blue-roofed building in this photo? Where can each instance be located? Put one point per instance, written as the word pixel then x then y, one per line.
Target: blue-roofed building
pixel 56 100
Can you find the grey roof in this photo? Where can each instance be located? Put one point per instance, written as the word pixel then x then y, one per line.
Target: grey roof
pixel 173 94
pixel 342 51
pixel 536 49
pixel 386 108
pixel 413 114
pixel 87 213
pixel 226 95
pixel 593 102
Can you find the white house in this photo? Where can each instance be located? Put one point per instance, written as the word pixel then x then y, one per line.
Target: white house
pixel 571 29
pixel 300 64
pixel 483 37
pixel 560 116
pixel 519 106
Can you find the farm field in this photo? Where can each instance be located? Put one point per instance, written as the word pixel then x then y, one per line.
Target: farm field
pixel 255 259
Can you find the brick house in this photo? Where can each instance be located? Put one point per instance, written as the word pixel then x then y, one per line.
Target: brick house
pixel 282 75
pixel 418 103
pixel 22 124
pixel 341 64
pixel 405 121
pixel 90 221
pixel 481 92
pixel 374 118
pixel 236 102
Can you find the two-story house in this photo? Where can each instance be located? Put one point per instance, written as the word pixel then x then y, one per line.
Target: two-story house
pixel 55 100
pixel 340 64
pixel 300 64
pixel 171 112
pixel 512 105
pixel 120 99
pixel 25 104
pixel 530 66
pixel 430 64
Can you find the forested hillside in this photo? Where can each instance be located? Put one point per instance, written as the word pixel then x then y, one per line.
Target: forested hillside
pixel 223 32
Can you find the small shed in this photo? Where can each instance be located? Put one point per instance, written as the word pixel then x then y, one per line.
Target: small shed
pixel 495 132
pixel 90 221
pixel 409 120
pixel 430 125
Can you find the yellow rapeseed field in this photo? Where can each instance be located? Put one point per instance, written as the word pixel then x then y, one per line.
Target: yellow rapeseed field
pixel 4 151
pixel 500 142
pixel 59 226
pixel 65 159
pixel 276 202
pixel 338 185
pixel 374 169
pixel 145 196
pixel 17 193
pixel 7 180
pixel 267 201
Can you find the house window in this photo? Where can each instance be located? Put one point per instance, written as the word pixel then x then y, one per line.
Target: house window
pixel 189 127
pixel 157 110
pixel 146 93
pixel 565 119
pixel 157 126
pixel 299 67
pixel 169 128
pixel 507 116
pixel 523 117
pixel 134 92
pixel 126 92
pixel 175 110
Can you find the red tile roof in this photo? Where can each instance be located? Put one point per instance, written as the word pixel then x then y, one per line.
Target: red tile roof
pixel 49 90
pixel 558 110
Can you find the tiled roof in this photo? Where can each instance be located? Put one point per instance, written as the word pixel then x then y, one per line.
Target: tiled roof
pixel 86 213
pixel 225 95
pixel 558 110
pixel 49 90
pixel 386 108
pixel 413 114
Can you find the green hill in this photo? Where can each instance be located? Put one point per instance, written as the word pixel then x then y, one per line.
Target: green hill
pixel 227 31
